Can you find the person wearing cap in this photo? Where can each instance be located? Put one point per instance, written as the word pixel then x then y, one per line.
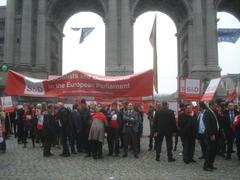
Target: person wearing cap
pixel 130 128
pixel 114 121
pixel 97 132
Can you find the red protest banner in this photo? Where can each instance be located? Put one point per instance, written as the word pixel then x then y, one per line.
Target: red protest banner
pixel 78 83
pixel 211 89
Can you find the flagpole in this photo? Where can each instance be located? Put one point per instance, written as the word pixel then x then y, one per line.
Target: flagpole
pixel 153 41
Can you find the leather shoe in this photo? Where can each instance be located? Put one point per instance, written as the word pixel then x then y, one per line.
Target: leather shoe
pixel 186 161
pixel 125 155
pixel 157 159
pixel 228 158
pixel 207 169
pixel 171 160
pixel 202 157
pixel 136 156
pixel 213 168
pixel 192 161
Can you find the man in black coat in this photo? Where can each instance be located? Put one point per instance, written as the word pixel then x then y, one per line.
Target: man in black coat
pixel 19 120
pixel 75 118
pixel 66 128
pixel 188 132
pixel 86 122
pixel 211 135
pixel 49 131
pixel 164 126
pixel 229 115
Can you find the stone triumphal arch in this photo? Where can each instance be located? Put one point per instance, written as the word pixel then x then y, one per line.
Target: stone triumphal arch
pixel 33 33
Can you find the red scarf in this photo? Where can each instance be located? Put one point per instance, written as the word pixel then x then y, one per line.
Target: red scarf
pixel 236 122
pixel 99 116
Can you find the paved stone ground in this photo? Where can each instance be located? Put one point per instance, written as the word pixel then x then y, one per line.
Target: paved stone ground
pixel 28 163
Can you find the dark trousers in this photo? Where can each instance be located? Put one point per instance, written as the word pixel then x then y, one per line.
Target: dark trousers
pixel 169 143
pixel 20 132
pixel 65 140
pixel 238 148
pixel 230 140
pixel 96 149
pixel 14 127
pixel 26 130
pixel 221 147
pixel 151 136
pixel 47 147
pixel 3 145
pixel 86 143
pixel 188 143
pixel 139 135
pixel 113 141
pixel 130 133
pixel 202 143
pixel 211 152
pixel 39 136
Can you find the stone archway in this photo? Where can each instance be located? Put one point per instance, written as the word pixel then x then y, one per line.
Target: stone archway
pixel 33 32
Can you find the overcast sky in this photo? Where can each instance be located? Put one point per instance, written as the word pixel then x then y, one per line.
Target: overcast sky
pixel 90 55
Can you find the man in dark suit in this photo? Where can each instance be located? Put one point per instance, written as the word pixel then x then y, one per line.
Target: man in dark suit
pixel 66 128
pixel 164 126
pixel 188 132
pixel 211 134
pixel 49 131
pixel 229 115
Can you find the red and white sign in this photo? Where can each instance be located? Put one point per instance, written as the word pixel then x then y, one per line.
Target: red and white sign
pixel 211 89
pixel 77 83
pixel 191 91
pixel 7 104
pixel 233 96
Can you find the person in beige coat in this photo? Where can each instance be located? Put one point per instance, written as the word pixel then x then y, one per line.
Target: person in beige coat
pixel 97 132
pixel 2 131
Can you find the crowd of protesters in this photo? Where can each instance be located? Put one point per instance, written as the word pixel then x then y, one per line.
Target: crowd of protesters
pixel 83 129
pixel 216 126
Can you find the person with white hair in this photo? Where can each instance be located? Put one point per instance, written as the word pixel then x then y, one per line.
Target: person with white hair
pixel 97 132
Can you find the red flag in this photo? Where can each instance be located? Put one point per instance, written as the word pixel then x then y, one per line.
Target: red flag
pixel 232 96
pixel 153 42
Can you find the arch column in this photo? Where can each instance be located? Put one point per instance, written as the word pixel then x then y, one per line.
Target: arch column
pixel 211 39
pixel 126 38
pixel 41 34
pixel 198 43
pixel 119 38
pixel 9 32
pixel 26 35
pixel 112 43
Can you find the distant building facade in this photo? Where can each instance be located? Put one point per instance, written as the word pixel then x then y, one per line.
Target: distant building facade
pixel 31 33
